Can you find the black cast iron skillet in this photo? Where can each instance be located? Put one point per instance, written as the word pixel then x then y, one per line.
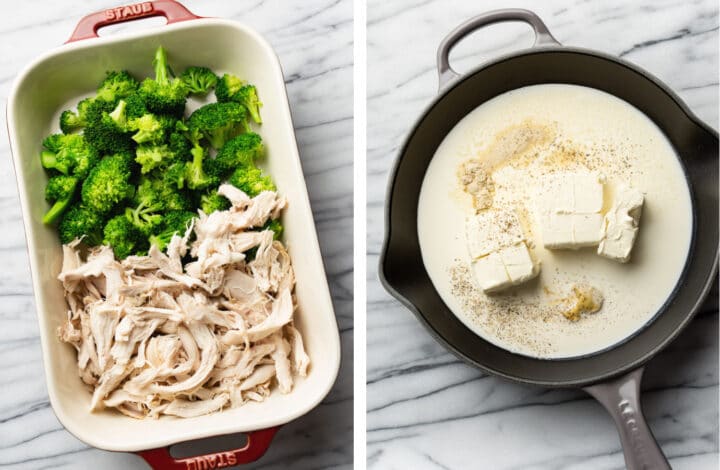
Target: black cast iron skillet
pixel 613 375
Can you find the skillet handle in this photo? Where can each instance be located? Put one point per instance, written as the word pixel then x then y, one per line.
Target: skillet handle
pixel 621 398
pixel 542 36
pixel 88 26
pixel 257 444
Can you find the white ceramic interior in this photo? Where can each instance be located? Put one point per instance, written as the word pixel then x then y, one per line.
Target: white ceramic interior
pixel 75 70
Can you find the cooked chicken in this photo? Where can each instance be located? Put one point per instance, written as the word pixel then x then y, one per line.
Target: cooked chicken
pixel 154 337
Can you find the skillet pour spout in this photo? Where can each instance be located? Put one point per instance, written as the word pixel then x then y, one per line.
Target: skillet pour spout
pixel 612 376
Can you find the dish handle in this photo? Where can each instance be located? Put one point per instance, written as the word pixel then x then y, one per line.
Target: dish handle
pixel 88 26
pixel 542 36
pixel 256 446
pixel 621 398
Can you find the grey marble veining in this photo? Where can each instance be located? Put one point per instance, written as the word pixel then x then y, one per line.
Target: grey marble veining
pixel 314 42
pixel 428 410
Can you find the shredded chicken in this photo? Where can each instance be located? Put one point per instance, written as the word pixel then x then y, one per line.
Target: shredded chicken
pixel 154 337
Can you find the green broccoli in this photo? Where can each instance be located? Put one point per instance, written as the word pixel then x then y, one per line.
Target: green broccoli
pixel 251 181
pixel 70 154
pixel 151 156
pixel 195 175
pixel 152 128
pixel 227 87
pixel 88 110
pixel 59 191
pixel 231 88
pixel 176 175
pixel 123 237
pixel 148 129
pixel 174 222
pixel 248 97
pixel 276 226
pixel 164 95
pixel 219 122
pixel 80 221
pixel 242 151
pixel 109 134
pixel 70 122
pixel 192 174
pixel 211 201
pixel 199 80
pixel 153 196
pixel 145 216
pixel 117 85
pixel 108 184
pixel 135 106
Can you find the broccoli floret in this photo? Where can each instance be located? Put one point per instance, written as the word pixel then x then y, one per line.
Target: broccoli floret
pixel 80 221
pixel 174 222
pixel 195 175
pixel 118 116
pixel 117 85
pixel 151 156
pixel 251 181
pixel 148 129
pixel 108 184
pixel 199 80
pixel 88 110
pixel 163 95
pixel 227 87
pixel 152 128
pixel 276 226
pixel 176 175
pixel 219 122
pixel 211 201
pixel 192 174
pixel 231 88
pixel 242 151
pixel 70 154
pixel 135 106
pixel 154 195
pixel 123 237
pixel 145 216
pixel 109 134
pixel 247 96
pixel 70 122
pixel 91 110
pixel 59 191
pixel 180 145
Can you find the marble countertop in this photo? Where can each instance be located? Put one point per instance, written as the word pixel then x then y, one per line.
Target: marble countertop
pixel 313 39
pixel 428 410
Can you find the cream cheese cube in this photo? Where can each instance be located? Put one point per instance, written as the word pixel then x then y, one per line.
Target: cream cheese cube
pixel 621 225
pixel 569 206
pixel 500 256
pixel 491 230
pixel 490 273
pixel 511 265
pixel 587 229
pixel 518 263
pixel 587 193
pixel 557 230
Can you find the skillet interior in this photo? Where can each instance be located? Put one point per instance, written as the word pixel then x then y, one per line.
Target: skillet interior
pixel 401 267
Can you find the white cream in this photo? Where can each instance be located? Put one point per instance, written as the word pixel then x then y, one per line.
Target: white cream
pixel 491 230
pixel 631 149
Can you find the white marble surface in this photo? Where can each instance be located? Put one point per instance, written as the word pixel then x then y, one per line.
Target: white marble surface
pixel 428 410
pixel 313 39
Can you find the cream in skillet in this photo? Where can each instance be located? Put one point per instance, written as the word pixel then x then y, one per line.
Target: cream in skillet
pixel 580 302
